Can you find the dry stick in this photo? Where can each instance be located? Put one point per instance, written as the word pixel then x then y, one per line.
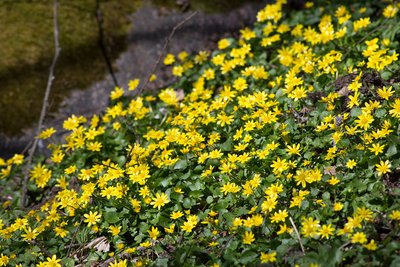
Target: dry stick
pixel 45 103
pixel 297 234
pixel 100 20
pixel 177 26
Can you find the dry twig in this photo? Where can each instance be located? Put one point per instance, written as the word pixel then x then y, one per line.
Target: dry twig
pixel 45 102
pixel 297 234
pixel 100 22
pixel 167 41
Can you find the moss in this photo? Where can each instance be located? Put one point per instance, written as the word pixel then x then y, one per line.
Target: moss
pixel 27 47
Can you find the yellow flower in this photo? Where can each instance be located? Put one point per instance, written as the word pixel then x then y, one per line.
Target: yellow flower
pixel 309 4
pixel 53 261
pixel 117 93
pixel 247 34
pixel 395 215
pixel 279 165
pixel 364 120
pixel 153 77
pixel 293 149
pixel 383 167
pixel 73 122
pixel 213 244
pixel 371 245
pixel 17 159
pixel 94 146
pixel 4 259
pixel 248 238
pixel 145 244
pixel 133 84
pixel 310 227
pixel 376 148
pixel 215 154
pixel 223 43
pixel 279 216
pixel 361 23
pixel 29 234
pixel 177 70
pixel 359 237
pixel 176 215
pixel 268 257
pixel 170 229
pixel 189 224
pixel 230 188
pixel 47 133
pixel 169 59
pixel 385 92
pixel 390 11
pixel 183 55
pixel 119 263
pixel 92 218
pixel 159 200
pixel 326 231
pixel 153 233
pixel 209 74
pixel 351 164
pixel 169 97
pixel 333 180
pixel 61 232
pixel 114 230
pixel 395 112
pixel 284 229
pixel 364 214
pixel 240 84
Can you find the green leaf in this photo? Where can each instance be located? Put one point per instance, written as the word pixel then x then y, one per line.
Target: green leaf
pixel 186 175
pixel 326 196
pixel 188 203
pixel 380 113
pixel 68 262
pixel 196 186
pixel 248 257
pixel 232 245
pixel 161 262
pixel 392 150
pixel 228 216
pixel 111 217
pixel 355 112
pixel 227 145
pixel 386 75
pixel 165 182
pixel 180 164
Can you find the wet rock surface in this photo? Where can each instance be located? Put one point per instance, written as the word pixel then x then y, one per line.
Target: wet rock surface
pixel 152 25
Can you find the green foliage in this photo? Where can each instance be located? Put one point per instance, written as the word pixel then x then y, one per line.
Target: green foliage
pixel 280 147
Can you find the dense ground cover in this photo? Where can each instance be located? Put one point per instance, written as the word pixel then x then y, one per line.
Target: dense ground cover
pixel 280 147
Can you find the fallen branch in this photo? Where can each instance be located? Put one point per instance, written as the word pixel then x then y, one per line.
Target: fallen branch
pixel 45 103
pixel 99 18
pixel 167 41
pixel 297 234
